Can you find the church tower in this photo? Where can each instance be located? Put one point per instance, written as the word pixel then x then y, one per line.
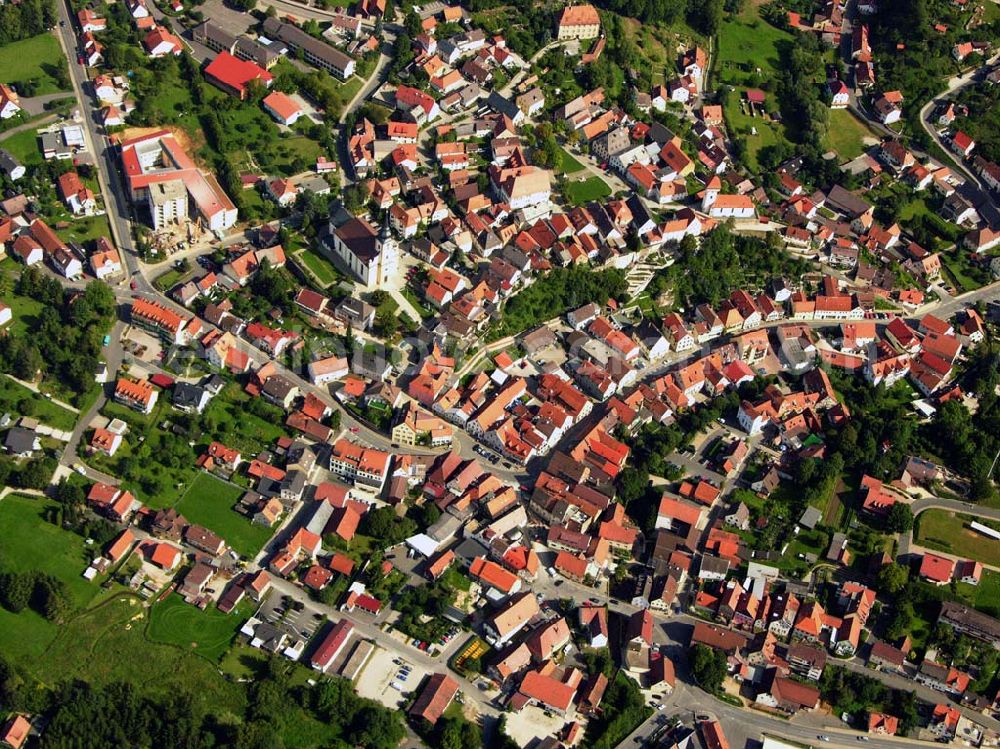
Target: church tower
pixel 712 190
pixel 388 256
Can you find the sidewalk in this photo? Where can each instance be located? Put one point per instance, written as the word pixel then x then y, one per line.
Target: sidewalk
pixel 34 388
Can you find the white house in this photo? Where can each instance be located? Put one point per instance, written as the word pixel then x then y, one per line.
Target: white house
pixel 329 369
pixel 282 107
pixel 9 102
pixel 717 205
pixel 840 94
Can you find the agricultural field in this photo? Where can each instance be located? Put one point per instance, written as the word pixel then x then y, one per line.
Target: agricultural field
pixel 209 502
pixel 949 532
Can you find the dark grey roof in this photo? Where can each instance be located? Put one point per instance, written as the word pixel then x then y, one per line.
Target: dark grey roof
pixel 7 162
pixel 296 37
pixel 188 395
pixel 19 440
pixel 502 104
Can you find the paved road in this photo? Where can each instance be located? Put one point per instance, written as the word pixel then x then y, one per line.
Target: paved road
pixel 954 85
pixel 940 503
pixel 667 633
pixel 35 105
pixel 103 153
pixel 366 627
pixel 378 76
pixel 113 355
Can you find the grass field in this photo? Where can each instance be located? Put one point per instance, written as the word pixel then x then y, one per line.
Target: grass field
pixel 948 532
pixel 23 146
pixel 239 428
pixel 12 394
pixel 567 163
pixel 320 267
pixel 82 230
pixel 746 43
pixel 110 643
pixel 592 188
pixel 33 544
pixel 207 633
pixel 209 502
pixel 747 57
pixel 846 134
pixel 742 125
pixel 36 58
pixel 986 595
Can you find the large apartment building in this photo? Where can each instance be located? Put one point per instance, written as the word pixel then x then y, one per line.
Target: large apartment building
pixel 316 52
pixel 578 22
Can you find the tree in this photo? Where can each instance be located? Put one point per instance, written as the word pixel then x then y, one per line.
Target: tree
pixel 383 523
pixel 632 483
pixel 709 17
pixel 893 578
pixel 458 733
pixel 899 519
pixel 376 727
pixel 15 591
pixel 27 362
pixel 708 667
pixel 50 598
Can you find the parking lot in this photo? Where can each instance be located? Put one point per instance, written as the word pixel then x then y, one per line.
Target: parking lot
pixel 389 679
pixel 531 723
pixel 304 621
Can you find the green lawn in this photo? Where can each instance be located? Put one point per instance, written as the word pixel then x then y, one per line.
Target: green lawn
pixel 592 188
pixel 82 230
pixel 319 266
pixel 567 163
pixel 742 125
pixel 13 395
pixel 417 303
pixel 233 424
pixel 950 533
pixel 984 596
pixel 207 633
pixel 957 265
pixel 23 146
pixel 36 58
pixel 168 279
pixel 846 134
pixel 747 42
pixel 209 502
pixel 33 544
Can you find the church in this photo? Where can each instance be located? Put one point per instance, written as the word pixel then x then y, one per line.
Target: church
pixel 373 258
